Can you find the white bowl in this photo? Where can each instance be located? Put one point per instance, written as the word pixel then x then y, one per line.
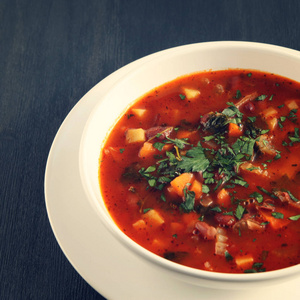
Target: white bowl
pixel 164 67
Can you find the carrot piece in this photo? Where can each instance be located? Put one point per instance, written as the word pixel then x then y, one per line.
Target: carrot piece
pixel 223 198
pixel 245 261
pixel 176 227
pixel 180 182
pixel 196 187
pixel 234 130
pixel 147 150
pixel 185 134
pixel 274 222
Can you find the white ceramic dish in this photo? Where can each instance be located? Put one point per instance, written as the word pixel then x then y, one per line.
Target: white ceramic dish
pixel 166 66
pixel 98 257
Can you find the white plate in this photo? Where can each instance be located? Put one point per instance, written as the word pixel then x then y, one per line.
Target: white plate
pixel 103 262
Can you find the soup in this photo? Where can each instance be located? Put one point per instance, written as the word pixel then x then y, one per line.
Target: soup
pixel 204 171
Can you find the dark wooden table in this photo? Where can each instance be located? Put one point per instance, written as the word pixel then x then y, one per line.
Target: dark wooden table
pixel 51 53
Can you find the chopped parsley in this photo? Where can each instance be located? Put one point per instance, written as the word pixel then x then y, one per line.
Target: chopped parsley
pixel 239 211
pixel 277 215
pixel 261 97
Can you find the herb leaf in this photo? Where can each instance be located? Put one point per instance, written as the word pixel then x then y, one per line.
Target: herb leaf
pixel 239 211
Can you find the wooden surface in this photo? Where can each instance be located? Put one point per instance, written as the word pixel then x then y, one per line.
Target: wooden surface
pixel 51 53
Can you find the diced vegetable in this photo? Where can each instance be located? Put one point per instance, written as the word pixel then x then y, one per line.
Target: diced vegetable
pixel 147 150
pixel 191 93
pixel 135 135
pixel 139 112
pixel 223 198
pixel 275 223
pixel 291 104
pixel 139 225
pixel 234 130
pixel 186 134
pixel 244 261
pixel 196 187
pixel 159 244
pixel 181 182
pixel 153 218
pixel 176 227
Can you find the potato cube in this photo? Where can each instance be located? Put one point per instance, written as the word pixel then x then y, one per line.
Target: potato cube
pixel 191 93
pixel 135 135
pixel 291 104
pixel 139 112
pixel 153 218
pixel 139 225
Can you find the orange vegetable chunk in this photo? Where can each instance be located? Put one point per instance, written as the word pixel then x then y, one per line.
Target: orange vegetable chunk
pixel 196 187
pixel 223 198
pixel 245 261
pixel 234 130
pixel 147 150
pixel 180 182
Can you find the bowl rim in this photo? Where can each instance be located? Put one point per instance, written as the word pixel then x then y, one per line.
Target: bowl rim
pixel 109 222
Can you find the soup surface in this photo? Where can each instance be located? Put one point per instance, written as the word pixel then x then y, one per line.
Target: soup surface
pixel 204 171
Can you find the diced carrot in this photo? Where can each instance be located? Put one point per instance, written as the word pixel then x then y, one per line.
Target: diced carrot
pixel 190 220
pixel 167 147
pixel 275 223
pixel 223 198
pixel 180 182
pixel 196 187
pixel 245 261
pixel 234 130
pixel 147 150
pixel 176 227
pixel 186 134
pixel 139 225
pixel 187 218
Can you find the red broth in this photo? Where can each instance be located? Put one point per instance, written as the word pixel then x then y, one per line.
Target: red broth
pixel 205 171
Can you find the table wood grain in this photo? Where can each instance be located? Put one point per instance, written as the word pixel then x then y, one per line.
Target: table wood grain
pixel 51 53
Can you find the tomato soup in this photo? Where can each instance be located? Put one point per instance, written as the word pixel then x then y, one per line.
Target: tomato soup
pixel 205 171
